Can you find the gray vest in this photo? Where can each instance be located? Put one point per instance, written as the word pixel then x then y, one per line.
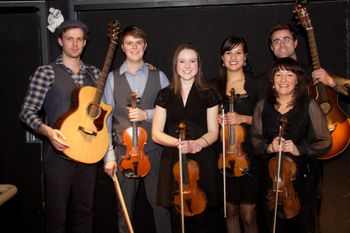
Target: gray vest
pixel 122 99
pixel 58 99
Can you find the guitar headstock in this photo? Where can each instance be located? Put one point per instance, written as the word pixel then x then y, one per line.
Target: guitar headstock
pixel 303 16
pixel 113 30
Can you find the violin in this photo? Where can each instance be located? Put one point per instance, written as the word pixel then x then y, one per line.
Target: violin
pixel 236 163
pixel 190 200
pixel 282 169
pixel 134 163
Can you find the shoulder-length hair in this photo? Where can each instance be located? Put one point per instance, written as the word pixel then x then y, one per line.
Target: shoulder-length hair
pixel 175 85
pixel 300 91
pixel 229 43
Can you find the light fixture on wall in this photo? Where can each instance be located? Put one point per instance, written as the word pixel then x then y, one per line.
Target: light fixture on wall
pixel 54 19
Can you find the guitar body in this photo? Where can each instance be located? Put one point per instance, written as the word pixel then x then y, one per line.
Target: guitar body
pixel 87 135
pixel 337 121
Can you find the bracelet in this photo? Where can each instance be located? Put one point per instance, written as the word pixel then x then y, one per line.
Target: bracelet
pixel 205 141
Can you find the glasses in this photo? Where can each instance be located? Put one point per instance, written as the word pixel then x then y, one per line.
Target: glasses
pixel 285 40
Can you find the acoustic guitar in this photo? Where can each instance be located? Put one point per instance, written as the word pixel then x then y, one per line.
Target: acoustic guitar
pixel 84 125
pixel 326 97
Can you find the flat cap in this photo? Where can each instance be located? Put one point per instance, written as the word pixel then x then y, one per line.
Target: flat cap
pixel 72 24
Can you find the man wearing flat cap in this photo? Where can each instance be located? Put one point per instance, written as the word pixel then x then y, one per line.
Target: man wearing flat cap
pixel 50 89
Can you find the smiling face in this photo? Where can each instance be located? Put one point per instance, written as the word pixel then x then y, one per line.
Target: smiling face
pixel 235 58
pixel 283 44
pixel 187 64
pixel 285 82
pixel 72 42
pixel 134 48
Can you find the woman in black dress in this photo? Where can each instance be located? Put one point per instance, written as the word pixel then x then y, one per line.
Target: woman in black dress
pixel 188 100
pixel 305 138
pixel 242 189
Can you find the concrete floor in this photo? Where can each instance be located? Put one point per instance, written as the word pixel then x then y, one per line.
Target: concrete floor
pixel 335 209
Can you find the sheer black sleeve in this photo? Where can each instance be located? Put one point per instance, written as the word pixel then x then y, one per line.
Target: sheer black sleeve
pixel 259 142
pixel 318 141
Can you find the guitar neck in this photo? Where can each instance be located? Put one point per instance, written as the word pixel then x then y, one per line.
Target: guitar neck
pixel 313 49
pixel 320 87
pixel 101 83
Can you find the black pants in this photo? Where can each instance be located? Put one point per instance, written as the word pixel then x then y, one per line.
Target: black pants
pixel 68 182
pixel 130 188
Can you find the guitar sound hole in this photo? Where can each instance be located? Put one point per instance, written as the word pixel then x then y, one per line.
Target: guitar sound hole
pixel 94 110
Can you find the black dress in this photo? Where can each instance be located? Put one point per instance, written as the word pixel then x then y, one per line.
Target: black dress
pixel 194 115
pixel 245 189
pixel 307 128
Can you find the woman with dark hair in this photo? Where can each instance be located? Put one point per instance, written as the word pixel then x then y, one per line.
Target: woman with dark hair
pixel 305 138
pixel 188 100
pixel 243 189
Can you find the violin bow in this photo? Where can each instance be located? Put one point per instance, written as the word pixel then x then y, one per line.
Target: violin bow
pixel 278 175
pixel 122 202
pixel 181 186
pixel 223 155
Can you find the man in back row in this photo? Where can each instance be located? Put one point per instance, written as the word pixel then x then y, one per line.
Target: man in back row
pixel 283 43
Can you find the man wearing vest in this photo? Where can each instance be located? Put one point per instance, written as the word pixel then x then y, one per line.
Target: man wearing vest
pixel 134 76
pixel 50 88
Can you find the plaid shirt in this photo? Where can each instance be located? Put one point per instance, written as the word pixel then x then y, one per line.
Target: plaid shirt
pixel 39 85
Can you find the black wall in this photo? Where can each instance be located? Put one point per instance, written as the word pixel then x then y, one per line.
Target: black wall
pixel 166 27
pixel 20 53
pixel 207 26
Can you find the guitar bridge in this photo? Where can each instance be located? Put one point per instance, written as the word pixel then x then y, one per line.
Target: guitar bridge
pixel 86 131
pixel 331 127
